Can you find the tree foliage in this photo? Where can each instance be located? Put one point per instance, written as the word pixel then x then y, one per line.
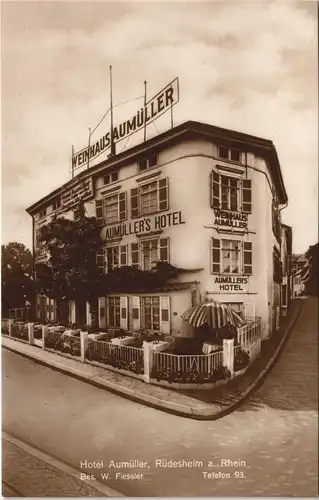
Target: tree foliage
pixel 70 271
pixel 17 276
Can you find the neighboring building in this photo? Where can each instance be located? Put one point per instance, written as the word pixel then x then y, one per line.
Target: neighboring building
pixel 312 277
pixel 299 274
pixel 304 279
pixel 203 198
pixel 286 253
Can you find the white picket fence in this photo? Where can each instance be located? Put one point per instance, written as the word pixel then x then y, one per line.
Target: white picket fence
pixel 118 353
pixel 204 364
pixel 249 338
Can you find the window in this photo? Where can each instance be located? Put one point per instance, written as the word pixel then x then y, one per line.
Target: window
pixel 112 177
pixel 146 163
pixel 113 311
pixel 194 298
pixel 56 204
pixel 112 257
pixel 135 254
pixel 231 256
pixel 277 267
pixel 151 313
pixel 229 154
pixel 152 251
pixel 149 254
pixel 109 258
pixel 275 222
pixel 230 193
pixel 248 257
pixel 149 198
pixel 40 251
pixel 235 306
pixel 111 209
pixel 284 295
pixel 42 213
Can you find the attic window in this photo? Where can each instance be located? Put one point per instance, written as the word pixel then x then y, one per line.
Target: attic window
pixel 229 154
pixel 148 162
pixel 56 204
pixel 112 177
pixel 42 213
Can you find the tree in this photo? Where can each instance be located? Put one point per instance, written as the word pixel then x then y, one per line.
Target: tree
pixel 17 277
pixel 71 271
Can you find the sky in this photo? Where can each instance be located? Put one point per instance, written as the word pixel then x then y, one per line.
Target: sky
pixel 249 66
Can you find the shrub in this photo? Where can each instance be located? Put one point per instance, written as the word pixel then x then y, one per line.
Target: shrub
pixel 241 360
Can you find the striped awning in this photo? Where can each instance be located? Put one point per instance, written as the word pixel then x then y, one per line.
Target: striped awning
pixel 212 313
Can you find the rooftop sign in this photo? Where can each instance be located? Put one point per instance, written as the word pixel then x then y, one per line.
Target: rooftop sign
pixel 155 107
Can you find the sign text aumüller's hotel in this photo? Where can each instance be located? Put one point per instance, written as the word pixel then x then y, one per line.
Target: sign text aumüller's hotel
pixel 144 226
pixel 154 108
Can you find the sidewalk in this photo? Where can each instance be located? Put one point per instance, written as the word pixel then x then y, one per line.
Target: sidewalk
pixel 197 404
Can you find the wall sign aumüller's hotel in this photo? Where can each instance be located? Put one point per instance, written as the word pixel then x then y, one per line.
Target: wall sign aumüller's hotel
pixel 231 283
pixel 155 107
pixel 143 226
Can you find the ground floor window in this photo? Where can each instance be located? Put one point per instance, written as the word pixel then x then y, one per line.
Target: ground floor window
pixel 238 307
pixel 113 311
pixel 151 313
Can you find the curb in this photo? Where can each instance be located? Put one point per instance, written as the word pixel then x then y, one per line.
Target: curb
pixel 163 405
pixel 60 466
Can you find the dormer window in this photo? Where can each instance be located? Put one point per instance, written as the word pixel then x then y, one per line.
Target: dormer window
pixel 56 204
pixel 42 213
pixel 112 177
pixel 149 162
pixel 229 154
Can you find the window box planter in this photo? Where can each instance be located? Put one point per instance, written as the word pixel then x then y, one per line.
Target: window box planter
pixel 122 341
pixel 158 345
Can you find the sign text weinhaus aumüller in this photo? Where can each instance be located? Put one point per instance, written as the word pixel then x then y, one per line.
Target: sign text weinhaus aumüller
pixel 154 108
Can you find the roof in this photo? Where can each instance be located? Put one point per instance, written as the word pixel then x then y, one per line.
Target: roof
pixel 190 130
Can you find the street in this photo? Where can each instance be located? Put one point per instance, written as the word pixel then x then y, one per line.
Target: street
pixel 273 435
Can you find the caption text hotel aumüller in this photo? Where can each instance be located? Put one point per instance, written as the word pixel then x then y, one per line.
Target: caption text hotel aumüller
pixel 127 470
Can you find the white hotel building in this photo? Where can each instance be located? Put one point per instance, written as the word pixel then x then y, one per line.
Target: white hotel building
pixel 200 197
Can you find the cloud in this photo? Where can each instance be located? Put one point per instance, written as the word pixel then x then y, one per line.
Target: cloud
pixel 249 66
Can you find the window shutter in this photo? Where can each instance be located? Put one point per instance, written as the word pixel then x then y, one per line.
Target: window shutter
pixel 135 260
pixel 100 260
pixel 215 190
pixel 72 312
pixel 247 258
pixel 102 312
pixel 246 196
pixel 123 255
pixel 249 311
pixel 88 314
pixel 99 212
pixel 164 249
pixel 215 255
pixel 165 316
pixel 123 313
pixel 136 317
pixel 134 203
pixel 122 206
pixel 163 194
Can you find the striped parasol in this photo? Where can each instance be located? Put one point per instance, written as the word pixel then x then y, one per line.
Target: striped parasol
pixel 215 314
